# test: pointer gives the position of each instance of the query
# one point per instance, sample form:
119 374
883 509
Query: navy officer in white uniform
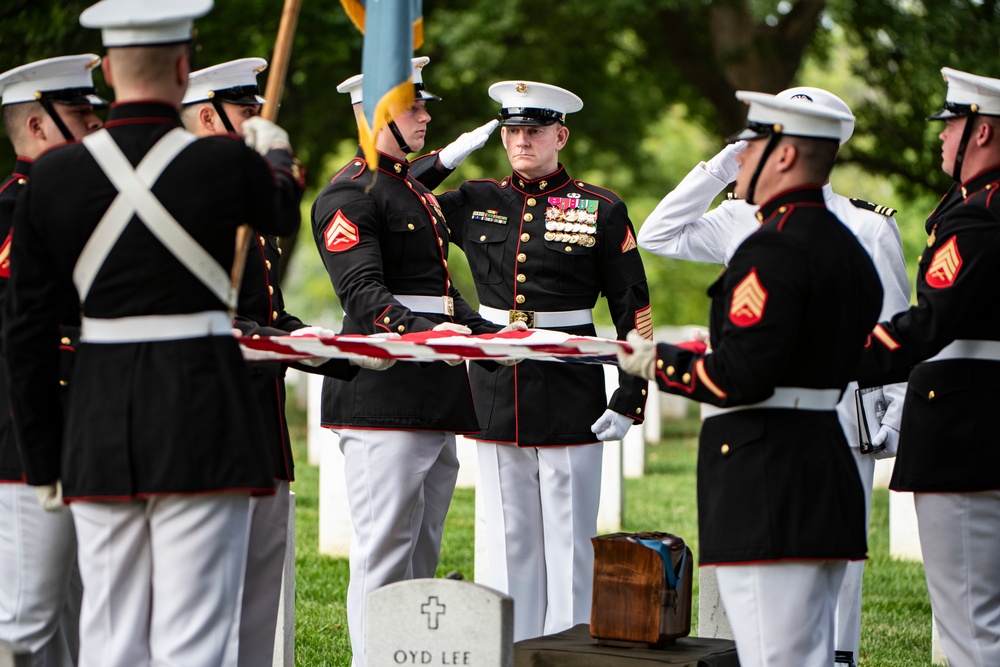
683 227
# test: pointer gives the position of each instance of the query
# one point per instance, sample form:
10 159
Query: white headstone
653 425
316 436
712 619
284 633
335 527
437 622
904 539
14 655
468 463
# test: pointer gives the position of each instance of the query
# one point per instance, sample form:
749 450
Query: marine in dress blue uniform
682 227
948 344
384 241
45 103
225 99
780 503
164 452
542 247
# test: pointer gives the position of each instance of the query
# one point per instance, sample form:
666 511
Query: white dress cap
824 99
968 93
234 81
66 79
144 22
769 115
355 84
533 103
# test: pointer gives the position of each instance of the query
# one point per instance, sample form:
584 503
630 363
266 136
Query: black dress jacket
144 418
793 309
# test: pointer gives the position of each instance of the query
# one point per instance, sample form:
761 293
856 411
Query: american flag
541 345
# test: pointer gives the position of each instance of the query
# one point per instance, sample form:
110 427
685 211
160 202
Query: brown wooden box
633 603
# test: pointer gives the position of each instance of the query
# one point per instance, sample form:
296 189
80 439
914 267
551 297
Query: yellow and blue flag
392 30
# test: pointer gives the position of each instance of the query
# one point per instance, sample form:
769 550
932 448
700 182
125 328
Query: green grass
896 623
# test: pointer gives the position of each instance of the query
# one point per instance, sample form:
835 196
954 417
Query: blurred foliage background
657 79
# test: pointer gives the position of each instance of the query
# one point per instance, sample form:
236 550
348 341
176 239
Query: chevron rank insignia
749 299
629 242
644 322
945 265
341 234
876 208
5 257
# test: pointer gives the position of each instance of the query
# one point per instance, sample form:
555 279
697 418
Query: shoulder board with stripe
871 206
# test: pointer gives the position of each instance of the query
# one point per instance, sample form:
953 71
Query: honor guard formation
145 459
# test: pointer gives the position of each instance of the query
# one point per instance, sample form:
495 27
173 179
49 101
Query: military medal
571 220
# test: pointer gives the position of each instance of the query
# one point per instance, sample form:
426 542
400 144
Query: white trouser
960 541
161 579
782 614
39 581
541 506
399 487
848 634
261 590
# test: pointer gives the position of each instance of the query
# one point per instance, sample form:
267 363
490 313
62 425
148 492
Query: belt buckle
526 316
449 306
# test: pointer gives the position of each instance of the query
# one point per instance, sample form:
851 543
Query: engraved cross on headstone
433 609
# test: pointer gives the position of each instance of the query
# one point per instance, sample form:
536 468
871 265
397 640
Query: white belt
538 319
439 305
788 398
969 349
149 328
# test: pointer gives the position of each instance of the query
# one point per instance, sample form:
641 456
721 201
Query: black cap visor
76 96
245 95
530 116
421 93
753 130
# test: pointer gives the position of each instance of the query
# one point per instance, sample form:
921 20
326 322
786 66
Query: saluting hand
454 153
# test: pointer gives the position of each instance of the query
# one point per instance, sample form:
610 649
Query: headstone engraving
436 622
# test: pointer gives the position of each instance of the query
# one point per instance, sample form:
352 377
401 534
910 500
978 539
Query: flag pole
272 97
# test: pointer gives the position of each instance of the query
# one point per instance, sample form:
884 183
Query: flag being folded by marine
541 345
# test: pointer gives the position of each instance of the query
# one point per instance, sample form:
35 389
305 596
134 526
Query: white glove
262 135
513 326
319 332
454 153
611 426
641 361
701 335
723 166
890 437
374 363
457 328
50 496
452 326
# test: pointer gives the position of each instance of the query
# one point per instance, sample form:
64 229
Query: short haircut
146 63
816 155
14 118
189 114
